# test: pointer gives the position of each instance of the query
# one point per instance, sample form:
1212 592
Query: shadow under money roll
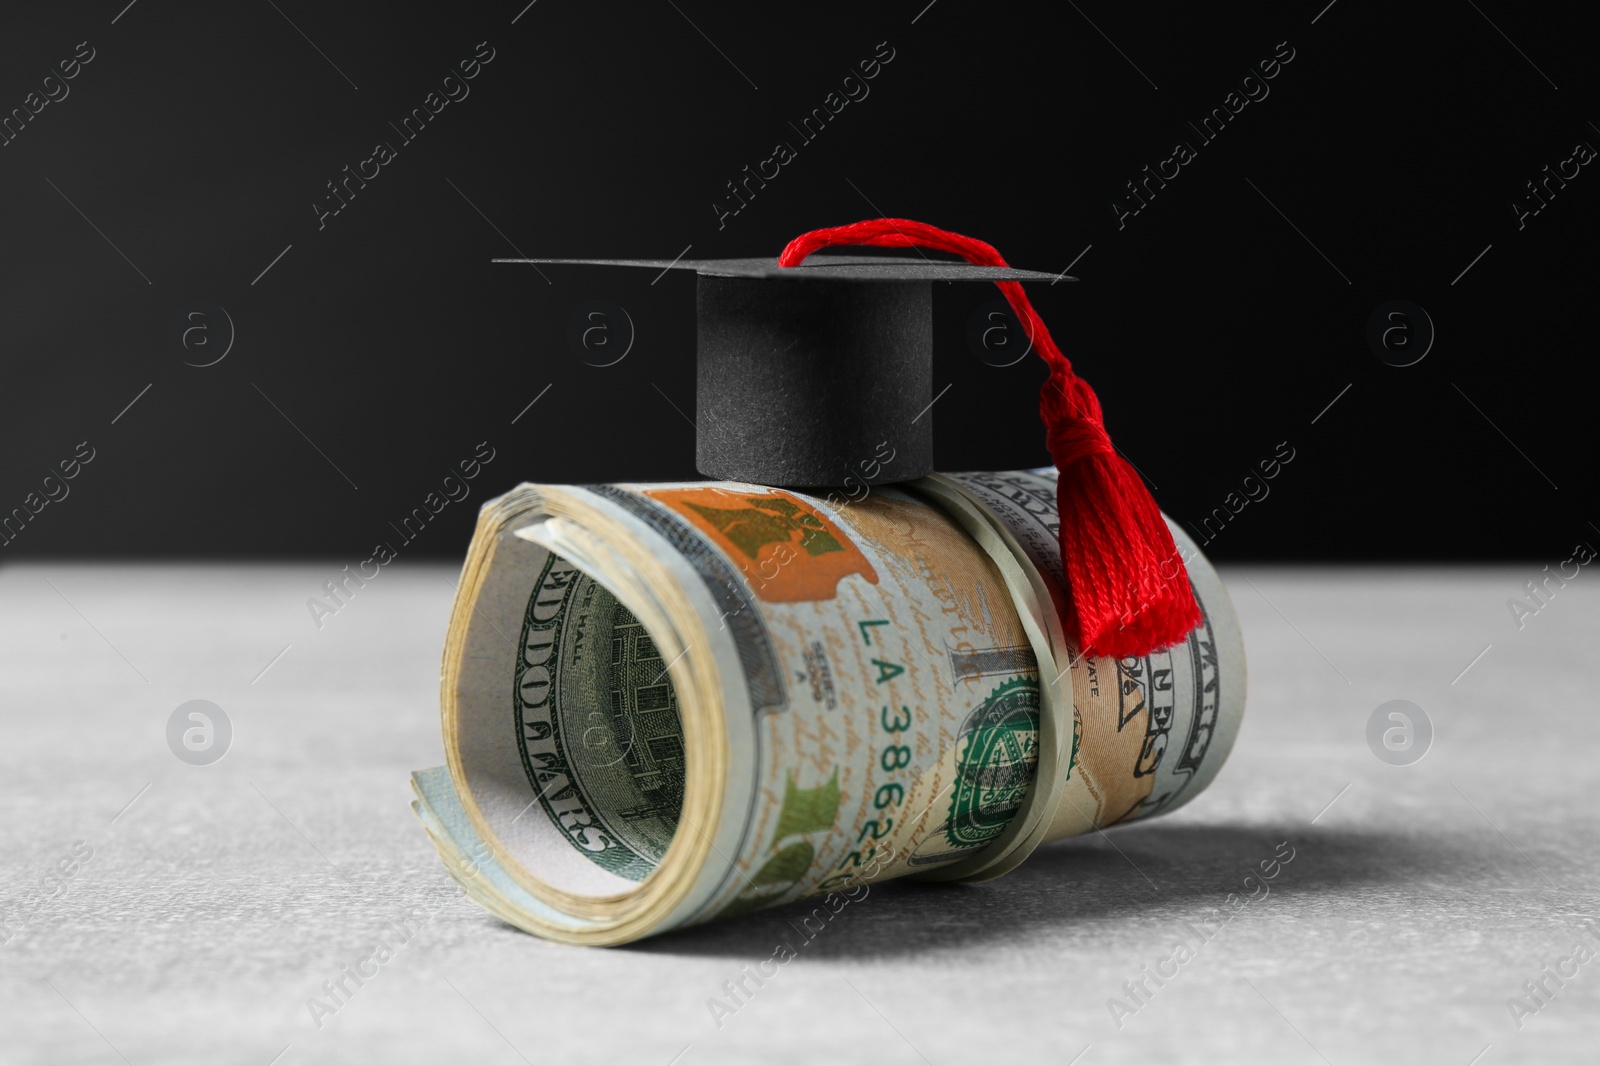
666 704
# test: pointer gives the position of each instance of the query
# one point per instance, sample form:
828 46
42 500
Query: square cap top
831 267
822 383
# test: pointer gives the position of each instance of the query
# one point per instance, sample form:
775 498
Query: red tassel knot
1129 591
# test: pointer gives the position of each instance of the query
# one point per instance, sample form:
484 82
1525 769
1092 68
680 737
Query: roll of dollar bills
670 703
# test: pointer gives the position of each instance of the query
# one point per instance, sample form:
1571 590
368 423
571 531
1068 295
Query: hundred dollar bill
665 704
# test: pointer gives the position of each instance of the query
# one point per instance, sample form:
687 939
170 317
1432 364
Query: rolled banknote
669 703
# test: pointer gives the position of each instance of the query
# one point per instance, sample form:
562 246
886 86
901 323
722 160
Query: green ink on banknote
597 723
995 764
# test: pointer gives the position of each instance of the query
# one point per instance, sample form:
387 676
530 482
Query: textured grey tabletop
216 900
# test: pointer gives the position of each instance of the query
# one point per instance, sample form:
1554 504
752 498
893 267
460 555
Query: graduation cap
810 367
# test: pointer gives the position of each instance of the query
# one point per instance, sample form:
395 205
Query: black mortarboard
810 366
815 373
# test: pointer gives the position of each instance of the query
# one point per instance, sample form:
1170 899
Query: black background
1215 324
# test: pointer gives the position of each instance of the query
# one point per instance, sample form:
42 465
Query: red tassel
1129 590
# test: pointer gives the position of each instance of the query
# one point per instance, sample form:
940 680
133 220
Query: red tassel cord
1128 589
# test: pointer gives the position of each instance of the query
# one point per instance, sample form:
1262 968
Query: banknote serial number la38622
893 758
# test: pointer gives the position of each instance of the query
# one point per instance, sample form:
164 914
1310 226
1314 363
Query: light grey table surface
220 898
